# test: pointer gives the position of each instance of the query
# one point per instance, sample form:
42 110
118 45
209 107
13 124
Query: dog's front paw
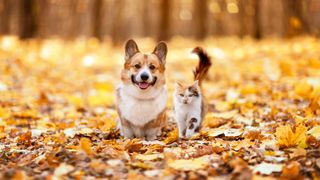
126 132
151 138
151 134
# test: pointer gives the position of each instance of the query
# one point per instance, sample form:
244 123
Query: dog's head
144 71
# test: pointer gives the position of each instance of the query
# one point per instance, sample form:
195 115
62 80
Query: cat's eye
152 67
181 95
137 66
190 95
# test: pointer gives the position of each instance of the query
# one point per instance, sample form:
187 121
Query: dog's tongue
143 85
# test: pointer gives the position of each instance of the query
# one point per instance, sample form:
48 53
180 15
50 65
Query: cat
189 105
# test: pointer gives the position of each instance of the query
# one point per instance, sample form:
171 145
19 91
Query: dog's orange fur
143 59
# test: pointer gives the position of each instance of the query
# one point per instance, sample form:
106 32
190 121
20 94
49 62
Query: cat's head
186 94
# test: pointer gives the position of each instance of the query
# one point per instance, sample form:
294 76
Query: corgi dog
189 104
142 96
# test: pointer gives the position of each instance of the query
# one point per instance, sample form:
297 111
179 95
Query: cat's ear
131 49
196 83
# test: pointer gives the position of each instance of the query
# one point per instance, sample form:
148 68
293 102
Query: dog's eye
152 67
137 66
181 95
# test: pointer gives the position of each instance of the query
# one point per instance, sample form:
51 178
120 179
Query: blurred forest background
119 20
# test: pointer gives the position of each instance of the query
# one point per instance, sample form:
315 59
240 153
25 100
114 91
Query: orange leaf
85 145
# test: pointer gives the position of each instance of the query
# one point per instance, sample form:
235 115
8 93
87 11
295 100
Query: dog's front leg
138 132
152 133
126 131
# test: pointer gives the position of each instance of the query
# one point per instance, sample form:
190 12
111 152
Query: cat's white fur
185 112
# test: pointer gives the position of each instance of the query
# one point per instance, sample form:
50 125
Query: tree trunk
200 18
164 25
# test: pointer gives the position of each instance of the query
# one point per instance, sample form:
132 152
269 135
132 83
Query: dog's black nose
144 76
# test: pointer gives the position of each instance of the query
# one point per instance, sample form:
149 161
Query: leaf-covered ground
57 116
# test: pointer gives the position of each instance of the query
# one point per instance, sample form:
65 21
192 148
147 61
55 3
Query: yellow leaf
85 145
299 119
223 106
189 164
248 89
212 122
86 131
75 100
286 137
315 132
314 98
149 157
4 113
303 89
141 165
172 136
101 98
104 86
287 67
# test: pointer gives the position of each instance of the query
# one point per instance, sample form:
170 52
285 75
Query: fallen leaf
189 164
233 132
298 152
133 145
140 165
315 132
152 173
62 170
149 157
313 142
20 175
213 122
85 131
86 146
254 135
216 132
240 168
25 137
286 137
291 171
248 89
303 89
224 115
227 132
173 136
267 168
70 132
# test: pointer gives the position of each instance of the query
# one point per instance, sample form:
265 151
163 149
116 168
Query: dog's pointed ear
178 85
131 48
161 51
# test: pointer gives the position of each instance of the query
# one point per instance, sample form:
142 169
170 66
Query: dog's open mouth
143 85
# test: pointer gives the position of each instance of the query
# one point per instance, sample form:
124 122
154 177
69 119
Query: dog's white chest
141 111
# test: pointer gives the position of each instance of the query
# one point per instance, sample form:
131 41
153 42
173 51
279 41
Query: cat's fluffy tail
201 70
